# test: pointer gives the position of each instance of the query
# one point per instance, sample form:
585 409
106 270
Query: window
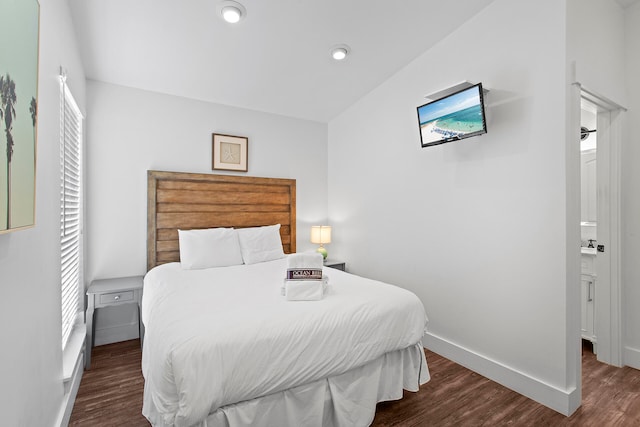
70 208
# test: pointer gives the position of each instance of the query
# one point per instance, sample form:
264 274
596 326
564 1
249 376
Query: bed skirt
348 399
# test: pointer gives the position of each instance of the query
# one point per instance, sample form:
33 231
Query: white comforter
223 335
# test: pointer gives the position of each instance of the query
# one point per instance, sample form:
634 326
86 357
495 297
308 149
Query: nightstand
110 292
338 265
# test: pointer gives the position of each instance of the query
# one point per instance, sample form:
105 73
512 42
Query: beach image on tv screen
455 116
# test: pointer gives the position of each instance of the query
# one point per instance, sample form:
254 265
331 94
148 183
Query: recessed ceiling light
232 11
340 52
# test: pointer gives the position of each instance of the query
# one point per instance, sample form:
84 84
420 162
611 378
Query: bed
224 348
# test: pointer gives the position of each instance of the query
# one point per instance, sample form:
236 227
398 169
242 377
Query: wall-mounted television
456 116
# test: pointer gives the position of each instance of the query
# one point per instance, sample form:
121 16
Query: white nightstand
109 292
338 265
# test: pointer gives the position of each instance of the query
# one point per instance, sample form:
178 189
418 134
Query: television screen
456 116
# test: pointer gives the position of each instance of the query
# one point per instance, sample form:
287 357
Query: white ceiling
275 60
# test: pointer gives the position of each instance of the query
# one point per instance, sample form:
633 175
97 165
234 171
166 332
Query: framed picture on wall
18 113
230 152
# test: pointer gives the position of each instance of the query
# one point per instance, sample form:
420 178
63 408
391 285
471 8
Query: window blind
70 208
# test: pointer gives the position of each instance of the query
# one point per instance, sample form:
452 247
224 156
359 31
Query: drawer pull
117 297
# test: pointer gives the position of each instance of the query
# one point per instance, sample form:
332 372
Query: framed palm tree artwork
230 152
18 112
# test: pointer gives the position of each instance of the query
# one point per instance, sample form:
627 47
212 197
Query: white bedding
225 335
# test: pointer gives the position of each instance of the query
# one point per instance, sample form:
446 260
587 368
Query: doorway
602 225
588 221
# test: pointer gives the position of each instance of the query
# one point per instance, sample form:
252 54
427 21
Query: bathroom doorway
600 223
588 221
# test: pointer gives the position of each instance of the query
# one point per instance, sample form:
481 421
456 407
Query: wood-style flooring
111 395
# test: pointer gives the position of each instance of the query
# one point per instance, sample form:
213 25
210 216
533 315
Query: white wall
31 356
596 44
630 190
131 131
476 228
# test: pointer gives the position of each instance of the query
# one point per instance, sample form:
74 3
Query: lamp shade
320 234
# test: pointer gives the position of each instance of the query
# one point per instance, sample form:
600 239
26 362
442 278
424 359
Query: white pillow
211 247
259 244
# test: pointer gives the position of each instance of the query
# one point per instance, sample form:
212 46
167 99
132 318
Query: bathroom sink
588 251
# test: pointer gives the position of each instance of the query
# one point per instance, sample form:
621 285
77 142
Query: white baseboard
631 357
563 401
116 334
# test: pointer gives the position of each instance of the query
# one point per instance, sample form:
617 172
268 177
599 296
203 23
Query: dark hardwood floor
456 396
111 395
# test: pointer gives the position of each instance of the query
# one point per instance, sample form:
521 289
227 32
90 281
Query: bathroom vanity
588 291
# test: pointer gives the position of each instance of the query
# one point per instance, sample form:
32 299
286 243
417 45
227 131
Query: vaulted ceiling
275 60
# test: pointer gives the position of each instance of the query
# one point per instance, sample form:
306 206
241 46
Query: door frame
608 295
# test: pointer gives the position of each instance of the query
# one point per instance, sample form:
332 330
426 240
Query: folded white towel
304 290
305 260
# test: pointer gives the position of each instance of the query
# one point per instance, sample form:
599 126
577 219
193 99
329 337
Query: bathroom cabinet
588 296
588 284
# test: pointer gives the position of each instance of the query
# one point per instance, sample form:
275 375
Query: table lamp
321 234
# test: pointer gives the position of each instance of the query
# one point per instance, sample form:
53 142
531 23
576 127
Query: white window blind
70 208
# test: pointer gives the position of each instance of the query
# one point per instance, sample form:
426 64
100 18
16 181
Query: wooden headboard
186 201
